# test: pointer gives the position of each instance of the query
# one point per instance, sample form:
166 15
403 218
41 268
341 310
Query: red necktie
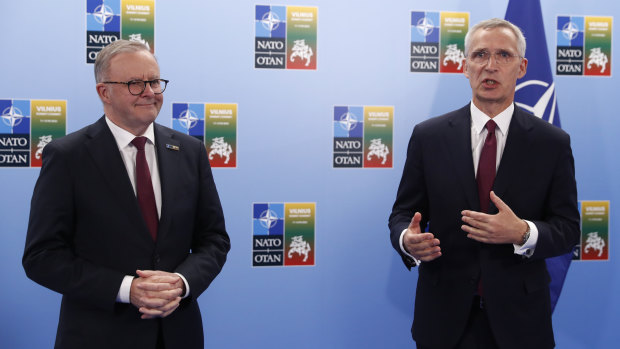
486 167
144 188
486 175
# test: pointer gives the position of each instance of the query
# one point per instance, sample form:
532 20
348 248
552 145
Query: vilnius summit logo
110 20
286 37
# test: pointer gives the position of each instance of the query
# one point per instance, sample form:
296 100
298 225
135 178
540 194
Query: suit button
156 259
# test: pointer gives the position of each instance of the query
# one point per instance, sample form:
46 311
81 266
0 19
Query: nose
148 90
491 62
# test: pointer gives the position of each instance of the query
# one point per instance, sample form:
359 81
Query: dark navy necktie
144 188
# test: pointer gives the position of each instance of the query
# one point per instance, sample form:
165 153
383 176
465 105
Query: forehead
139 64
494 38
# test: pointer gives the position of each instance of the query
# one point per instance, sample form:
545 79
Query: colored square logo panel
103 15
27 127
283 234
584 45
189 118
270 21
363 136
215 124
285 37
438 41
111 20
221 134
594 230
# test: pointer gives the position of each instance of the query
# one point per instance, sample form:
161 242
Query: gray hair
102 63
496 23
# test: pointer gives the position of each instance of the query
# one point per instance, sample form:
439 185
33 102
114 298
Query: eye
155 83
480 54
135 83
504 54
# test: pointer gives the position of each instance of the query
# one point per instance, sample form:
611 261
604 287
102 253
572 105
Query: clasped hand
156 293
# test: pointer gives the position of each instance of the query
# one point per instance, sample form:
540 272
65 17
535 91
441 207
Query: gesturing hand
501 228
422 246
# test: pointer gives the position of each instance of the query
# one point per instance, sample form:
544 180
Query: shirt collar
479 119
123 137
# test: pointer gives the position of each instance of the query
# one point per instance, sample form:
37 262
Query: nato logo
348 136
268 234
15 133
570 45
424 41
270 40
189 118
103 26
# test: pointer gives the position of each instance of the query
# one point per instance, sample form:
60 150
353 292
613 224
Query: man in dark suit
496 187
125 220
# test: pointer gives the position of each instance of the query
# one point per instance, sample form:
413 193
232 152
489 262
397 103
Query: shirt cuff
527 249
402 248
124 291
186 285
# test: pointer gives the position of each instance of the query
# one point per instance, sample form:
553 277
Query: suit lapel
458 139
168 152
106 156
515 154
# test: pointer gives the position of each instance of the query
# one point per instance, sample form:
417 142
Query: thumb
501 205
414 225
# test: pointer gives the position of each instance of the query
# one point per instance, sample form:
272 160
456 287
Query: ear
522 68
465 69
103 92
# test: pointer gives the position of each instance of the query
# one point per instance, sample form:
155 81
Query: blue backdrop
358 295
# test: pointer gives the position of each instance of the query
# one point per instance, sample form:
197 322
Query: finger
146 273
476 223
415 221
170 305
499 203
169 311
157 286
155 312
430 257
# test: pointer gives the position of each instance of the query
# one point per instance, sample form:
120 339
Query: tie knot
491 126
139 142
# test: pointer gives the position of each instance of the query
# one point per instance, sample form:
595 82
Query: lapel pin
172 147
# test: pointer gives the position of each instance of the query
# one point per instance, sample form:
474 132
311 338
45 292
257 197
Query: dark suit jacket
86 233
536 178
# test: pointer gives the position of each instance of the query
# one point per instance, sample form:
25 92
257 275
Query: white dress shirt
478 136
128 152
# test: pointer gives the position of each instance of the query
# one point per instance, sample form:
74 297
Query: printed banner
584 45
215 124
27 127
438 41
283 234
286 37
110 20
363 136
594 230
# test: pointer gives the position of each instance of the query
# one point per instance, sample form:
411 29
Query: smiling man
487 193
125 220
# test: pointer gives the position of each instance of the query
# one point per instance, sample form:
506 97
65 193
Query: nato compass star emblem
188 119
425 26
271 21
268 218
12 116
570 30
348 121
103 14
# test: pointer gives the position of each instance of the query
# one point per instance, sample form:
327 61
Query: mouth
489 83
